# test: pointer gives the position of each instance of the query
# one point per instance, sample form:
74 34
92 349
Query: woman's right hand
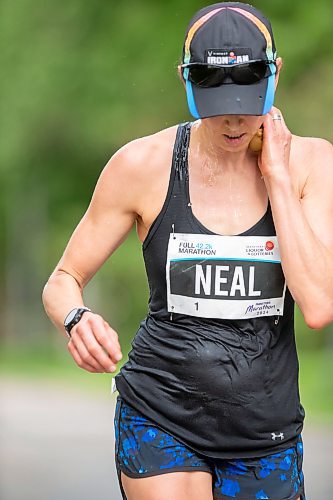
94 345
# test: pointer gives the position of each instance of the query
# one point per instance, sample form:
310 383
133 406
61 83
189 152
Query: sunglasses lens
243 74
206 76
246 74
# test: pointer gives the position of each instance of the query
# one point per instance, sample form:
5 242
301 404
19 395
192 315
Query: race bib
225 277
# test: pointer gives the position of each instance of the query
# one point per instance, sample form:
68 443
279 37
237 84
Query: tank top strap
181 151
175 200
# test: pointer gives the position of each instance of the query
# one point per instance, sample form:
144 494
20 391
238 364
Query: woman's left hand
275 154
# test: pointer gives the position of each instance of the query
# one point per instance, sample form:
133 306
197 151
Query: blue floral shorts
143 449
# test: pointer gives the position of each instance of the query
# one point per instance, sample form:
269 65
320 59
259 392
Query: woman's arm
304 224
111 214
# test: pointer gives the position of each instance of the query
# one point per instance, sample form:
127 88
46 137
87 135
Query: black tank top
214 363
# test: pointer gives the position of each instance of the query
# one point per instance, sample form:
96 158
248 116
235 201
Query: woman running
235 218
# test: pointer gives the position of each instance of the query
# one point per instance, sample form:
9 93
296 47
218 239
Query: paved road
56 444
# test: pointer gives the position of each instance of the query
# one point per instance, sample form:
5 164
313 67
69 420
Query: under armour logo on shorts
276 436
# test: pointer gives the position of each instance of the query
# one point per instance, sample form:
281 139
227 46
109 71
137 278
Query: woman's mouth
234 139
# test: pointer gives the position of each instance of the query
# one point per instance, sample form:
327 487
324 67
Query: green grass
56 365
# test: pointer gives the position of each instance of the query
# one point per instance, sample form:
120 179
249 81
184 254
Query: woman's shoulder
311 152
310 148
147 150
139 165
311 161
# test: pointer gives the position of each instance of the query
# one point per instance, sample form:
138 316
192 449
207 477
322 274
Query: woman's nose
234 121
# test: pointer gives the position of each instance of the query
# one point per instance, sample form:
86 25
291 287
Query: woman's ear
279 64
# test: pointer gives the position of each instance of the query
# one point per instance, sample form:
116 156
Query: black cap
230 33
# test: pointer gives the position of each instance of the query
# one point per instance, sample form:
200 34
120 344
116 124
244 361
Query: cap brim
231 99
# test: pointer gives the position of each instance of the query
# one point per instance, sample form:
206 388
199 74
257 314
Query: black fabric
226 388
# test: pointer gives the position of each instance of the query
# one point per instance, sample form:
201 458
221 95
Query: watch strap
77 314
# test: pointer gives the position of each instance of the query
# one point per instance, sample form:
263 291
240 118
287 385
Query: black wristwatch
73 317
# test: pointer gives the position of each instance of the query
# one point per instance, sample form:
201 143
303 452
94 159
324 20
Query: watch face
70 317
74 317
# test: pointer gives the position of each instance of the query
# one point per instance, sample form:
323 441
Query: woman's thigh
196 485
177 485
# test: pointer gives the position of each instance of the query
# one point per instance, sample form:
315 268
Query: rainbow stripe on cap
262 27
192 31
251 17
